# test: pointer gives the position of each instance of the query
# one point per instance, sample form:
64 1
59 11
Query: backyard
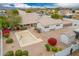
38 48
21 38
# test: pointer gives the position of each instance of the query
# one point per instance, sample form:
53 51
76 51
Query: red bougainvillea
6 32
52 41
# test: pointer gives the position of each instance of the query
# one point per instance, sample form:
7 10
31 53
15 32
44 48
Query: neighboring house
76 14
73 21
46 24
66 23
67 13
3 13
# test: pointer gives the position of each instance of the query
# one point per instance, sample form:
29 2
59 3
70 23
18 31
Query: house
46 23
43 23
28 19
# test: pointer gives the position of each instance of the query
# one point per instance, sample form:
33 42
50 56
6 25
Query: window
75 24
46 26
34 25
58 25
73 11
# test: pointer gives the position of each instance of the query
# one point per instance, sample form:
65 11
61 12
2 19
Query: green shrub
25 53
54 49
56 16
47 47
15 12
28 11
9 53
9 40
18 53
59 49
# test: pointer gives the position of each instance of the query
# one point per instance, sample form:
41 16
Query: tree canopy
56 15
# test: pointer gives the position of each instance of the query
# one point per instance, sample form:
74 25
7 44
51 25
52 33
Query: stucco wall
51 27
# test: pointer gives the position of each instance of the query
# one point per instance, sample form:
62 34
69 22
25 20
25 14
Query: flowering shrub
52 41
6 32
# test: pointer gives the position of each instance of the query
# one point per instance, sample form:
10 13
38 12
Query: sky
40 5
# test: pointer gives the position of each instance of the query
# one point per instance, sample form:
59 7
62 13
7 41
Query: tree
12 12
16 20
56 15
13 18
3 22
